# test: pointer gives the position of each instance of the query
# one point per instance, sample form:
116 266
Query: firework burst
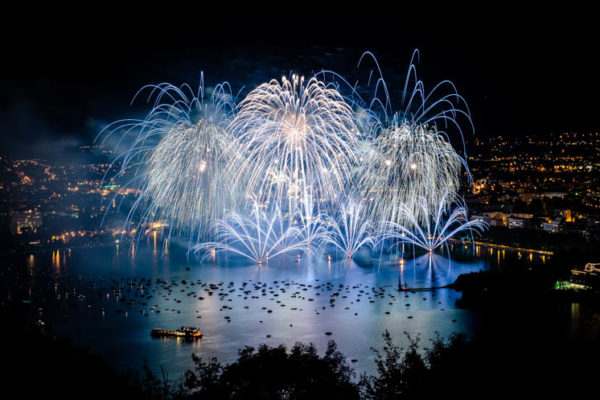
441 224
266 176
295 139
176 158
351 230
406 165
259 237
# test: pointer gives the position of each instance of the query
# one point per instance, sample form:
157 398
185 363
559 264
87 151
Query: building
552 227
589 277
514 222
482 218
25 220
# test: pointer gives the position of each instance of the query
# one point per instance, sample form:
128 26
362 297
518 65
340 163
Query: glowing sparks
407 165
259 237
188 197
176 158
295 166
351 230
441 223
302 133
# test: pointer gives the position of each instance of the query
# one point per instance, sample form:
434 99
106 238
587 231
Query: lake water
109 299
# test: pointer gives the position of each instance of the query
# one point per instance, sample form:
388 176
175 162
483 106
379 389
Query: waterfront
109 299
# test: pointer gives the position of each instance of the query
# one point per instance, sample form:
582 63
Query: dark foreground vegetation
509 357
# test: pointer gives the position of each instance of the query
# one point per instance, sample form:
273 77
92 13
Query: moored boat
183 332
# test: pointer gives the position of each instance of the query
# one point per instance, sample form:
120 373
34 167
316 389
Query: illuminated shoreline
502 246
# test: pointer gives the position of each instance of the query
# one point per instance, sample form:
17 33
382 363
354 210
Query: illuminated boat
183 332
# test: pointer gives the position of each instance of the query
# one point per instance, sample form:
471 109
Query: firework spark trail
350 230
186 179
176 159
442 106
406 165
406 154
258 238
296 139
443 223
311 224
290 152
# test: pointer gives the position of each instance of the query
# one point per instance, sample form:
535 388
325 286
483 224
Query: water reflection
291 299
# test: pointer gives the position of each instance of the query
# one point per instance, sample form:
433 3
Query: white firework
442 222
310 223
186 177
259 237
405 166
351 230
289 153
294 139
442 107
176 158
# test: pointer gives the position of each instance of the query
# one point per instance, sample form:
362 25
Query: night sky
64 78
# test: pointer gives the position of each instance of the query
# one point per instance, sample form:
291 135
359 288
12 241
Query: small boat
183 332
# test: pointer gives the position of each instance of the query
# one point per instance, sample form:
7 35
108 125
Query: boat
183 332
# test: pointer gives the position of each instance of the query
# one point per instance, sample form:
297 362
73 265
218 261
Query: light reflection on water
368 302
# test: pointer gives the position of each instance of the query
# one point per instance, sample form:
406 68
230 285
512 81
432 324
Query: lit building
552 227
515 223
20 221
588 277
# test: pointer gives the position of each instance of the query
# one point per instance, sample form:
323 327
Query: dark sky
64 76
